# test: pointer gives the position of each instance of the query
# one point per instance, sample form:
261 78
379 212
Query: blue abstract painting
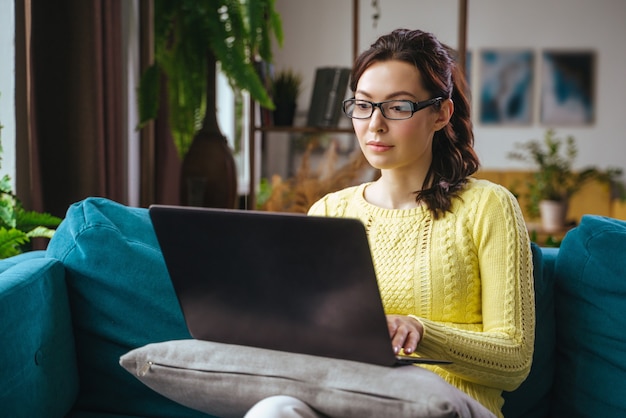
506 86
567 88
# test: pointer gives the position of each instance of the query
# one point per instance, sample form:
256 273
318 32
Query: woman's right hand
405 332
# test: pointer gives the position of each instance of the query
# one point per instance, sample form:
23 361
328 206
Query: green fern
41 232
18 226
11 242
28 221
186 33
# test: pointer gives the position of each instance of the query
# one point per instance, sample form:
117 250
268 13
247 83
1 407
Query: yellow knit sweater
466 276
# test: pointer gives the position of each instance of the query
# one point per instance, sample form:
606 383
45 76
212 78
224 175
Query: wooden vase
209 174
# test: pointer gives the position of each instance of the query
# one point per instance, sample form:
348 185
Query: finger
398 339
392 325
411 342
397 343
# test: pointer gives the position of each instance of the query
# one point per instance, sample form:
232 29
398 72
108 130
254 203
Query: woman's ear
444 114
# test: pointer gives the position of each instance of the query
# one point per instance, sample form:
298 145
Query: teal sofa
101 289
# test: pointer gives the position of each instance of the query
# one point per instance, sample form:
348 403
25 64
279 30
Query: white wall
317 34
7 88
568 24
320 33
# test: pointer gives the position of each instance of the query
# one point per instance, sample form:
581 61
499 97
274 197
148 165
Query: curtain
168 163
73 126
160 163
70 99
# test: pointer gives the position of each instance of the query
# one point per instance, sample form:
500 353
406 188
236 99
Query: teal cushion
532 399
590 305
121 298
37 358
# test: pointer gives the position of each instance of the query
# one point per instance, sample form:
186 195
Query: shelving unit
254 129
263 130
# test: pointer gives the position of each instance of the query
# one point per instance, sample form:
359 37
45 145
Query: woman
451 253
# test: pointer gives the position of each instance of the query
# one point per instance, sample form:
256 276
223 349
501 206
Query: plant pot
553 214
284 113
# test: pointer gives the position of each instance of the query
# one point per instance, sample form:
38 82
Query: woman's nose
377 121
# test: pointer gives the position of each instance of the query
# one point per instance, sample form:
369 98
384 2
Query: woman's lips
378 146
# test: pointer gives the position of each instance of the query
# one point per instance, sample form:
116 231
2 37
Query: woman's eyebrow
390 96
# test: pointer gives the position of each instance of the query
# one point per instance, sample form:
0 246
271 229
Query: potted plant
191 38
286 87
17 225
555 180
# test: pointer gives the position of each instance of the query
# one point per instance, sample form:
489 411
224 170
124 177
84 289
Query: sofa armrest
7 263
122 298
37 355
533 398
590 296
549 256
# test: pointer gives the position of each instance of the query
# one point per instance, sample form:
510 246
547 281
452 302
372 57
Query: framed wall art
468 68
506 86
567 88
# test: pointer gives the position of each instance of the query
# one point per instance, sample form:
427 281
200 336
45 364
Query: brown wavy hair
454 158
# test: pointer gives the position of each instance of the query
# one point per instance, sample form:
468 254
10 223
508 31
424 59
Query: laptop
279 281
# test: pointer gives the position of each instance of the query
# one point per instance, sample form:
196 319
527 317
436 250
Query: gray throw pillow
227 380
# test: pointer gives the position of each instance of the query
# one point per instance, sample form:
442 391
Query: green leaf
10 242
8 206
148 93
41 232
5 184
30 220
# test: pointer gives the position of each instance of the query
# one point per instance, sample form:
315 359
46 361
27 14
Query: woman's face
404 145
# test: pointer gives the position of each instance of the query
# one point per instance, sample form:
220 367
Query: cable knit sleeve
498 352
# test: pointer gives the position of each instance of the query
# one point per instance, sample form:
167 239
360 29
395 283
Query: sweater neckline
378 211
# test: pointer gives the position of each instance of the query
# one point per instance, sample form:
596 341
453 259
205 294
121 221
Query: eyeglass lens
363 109
391 109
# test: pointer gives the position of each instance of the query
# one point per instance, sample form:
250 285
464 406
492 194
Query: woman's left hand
405 333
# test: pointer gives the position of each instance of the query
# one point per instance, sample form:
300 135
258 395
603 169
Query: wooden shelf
304 129
279 129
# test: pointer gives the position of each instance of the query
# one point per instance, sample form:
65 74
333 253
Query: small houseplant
286 87
555 180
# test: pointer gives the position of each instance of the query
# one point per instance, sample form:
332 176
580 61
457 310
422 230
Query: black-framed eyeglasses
391 109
